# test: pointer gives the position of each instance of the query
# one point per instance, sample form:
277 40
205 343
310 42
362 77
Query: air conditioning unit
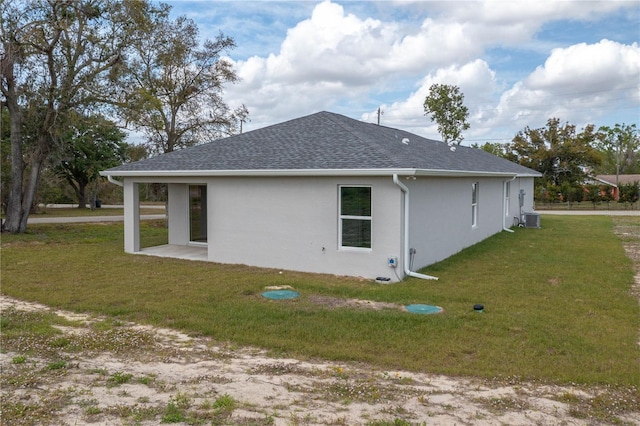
531 220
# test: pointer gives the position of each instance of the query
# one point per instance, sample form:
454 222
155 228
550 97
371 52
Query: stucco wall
292 223
440 214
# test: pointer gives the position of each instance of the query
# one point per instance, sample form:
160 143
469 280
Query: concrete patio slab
191 252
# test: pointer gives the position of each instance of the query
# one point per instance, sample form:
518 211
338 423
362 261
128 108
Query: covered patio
186 217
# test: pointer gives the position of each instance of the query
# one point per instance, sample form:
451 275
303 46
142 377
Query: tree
629 192
56 56
445 105
5 159
560 153
495 148
91 143
173 93
593 193
619 147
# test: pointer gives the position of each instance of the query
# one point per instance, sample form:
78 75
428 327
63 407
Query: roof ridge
355 127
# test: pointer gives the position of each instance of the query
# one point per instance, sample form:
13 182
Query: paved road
104 206
592 212
88 219
78 219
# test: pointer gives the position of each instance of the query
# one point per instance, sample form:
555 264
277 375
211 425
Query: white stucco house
328 194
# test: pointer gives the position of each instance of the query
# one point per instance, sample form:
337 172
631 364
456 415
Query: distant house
328 194
614 181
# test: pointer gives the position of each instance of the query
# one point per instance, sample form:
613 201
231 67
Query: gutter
114 181
504 203
405 262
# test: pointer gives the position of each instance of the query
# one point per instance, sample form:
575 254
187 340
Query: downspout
114 181
504 203
407 271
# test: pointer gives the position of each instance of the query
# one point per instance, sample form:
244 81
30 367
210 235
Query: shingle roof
622 179
319 142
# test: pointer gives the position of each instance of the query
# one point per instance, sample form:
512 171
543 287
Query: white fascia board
308 172
606 182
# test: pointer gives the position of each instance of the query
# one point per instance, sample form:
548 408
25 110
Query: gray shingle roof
322 141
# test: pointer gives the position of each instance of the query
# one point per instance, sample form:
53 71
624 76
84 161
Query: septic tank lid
423 309
281 294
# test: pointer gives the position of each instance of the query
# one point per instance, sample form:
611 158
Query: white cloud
606 65
331 55
335 60
335 55
576 84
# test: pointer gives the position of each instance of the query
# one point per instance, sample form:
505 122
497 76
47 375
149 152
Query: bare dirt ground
148 376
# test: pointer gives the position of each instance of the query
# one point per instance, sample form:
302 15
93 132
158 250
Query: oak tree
174 85
619 146
562 154
91 144
56 56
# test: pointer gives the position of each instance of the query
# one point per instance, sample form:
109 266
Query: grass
557 301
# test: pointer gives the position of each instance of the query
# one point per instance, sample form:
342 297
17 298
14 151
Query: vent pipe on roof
406 256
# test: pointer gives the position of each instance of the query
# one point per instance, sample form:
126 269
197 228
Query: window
507 195
474 204
355 217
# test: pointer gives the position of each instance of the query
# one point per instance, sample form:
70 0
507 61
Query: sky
518 63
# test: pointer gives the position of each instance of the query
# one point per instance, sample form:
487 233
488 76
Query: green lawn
558 306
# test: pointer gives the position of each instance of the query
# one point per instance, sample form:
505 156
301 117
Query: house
328 194
614 181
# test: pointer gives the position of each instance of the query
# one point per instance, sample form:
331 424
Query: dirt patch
628 230
150 375
334 302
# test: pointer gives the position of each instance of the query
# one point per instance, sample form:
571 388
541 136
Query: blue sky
518 63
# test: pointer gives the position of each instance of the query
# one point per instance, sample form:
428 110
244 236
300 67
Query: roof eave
311 172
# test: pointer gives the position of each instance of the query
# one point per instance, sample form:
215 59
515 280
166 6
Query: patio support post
178 212
131 216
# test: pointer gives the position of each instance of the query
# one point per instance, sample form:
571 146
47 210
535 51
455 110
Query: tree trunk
30 188
14 203
82 196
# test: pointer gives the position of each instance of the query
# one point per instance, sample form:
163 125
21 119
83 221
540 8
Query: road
591 212
87 219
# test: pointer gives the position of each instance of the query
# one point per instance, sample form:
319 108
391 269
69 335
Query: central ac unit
531 220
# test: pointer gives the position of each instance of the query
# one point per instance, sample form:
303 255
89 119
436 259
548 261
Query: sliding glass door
198 213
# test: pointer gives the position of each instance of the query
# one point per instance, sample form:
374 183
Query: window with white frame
474 204
355 217
507 195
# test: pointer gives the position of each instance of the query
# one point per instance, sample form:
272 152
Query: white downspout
114 181
408 272
504 203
